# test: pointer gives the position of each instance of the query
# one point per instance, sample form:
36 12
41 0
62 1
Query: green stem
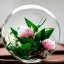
40 20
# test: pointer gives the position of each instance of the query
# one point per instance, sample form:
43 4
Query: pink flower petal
48 44
25 32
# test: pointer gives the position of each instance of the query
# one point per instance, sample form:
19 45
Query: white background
55 6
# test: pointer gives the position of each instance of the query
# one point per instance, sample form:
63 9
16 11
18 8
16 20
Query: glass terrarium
31 33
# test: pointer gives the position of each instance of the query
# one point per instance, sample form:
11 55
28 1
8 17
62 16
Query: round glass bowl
35 14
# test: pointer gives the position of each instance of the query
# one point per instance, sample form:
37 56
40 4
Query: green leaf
39 25
49 32
26 57
40 35
30 24
17 51
38 46
20 53
9 47
13 31
25 46
24 40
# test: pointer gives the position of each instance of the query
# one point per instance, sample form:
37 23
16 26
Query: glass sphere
36 14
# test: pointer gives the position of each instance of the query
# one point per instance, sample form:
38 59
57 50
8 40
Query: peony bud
48 44
25 32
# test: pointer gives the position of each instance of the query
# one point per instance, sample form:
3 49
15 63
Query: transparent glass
34 13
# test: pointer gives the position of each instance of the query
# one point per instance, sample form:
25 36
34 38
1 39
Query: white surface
55 6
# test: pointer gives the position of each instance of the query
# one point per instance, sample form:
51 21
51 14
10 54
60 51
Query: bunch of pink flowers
26 32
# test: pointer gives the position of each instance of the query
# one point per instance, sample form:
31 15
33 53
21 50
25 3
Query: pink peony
25 32
48 44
